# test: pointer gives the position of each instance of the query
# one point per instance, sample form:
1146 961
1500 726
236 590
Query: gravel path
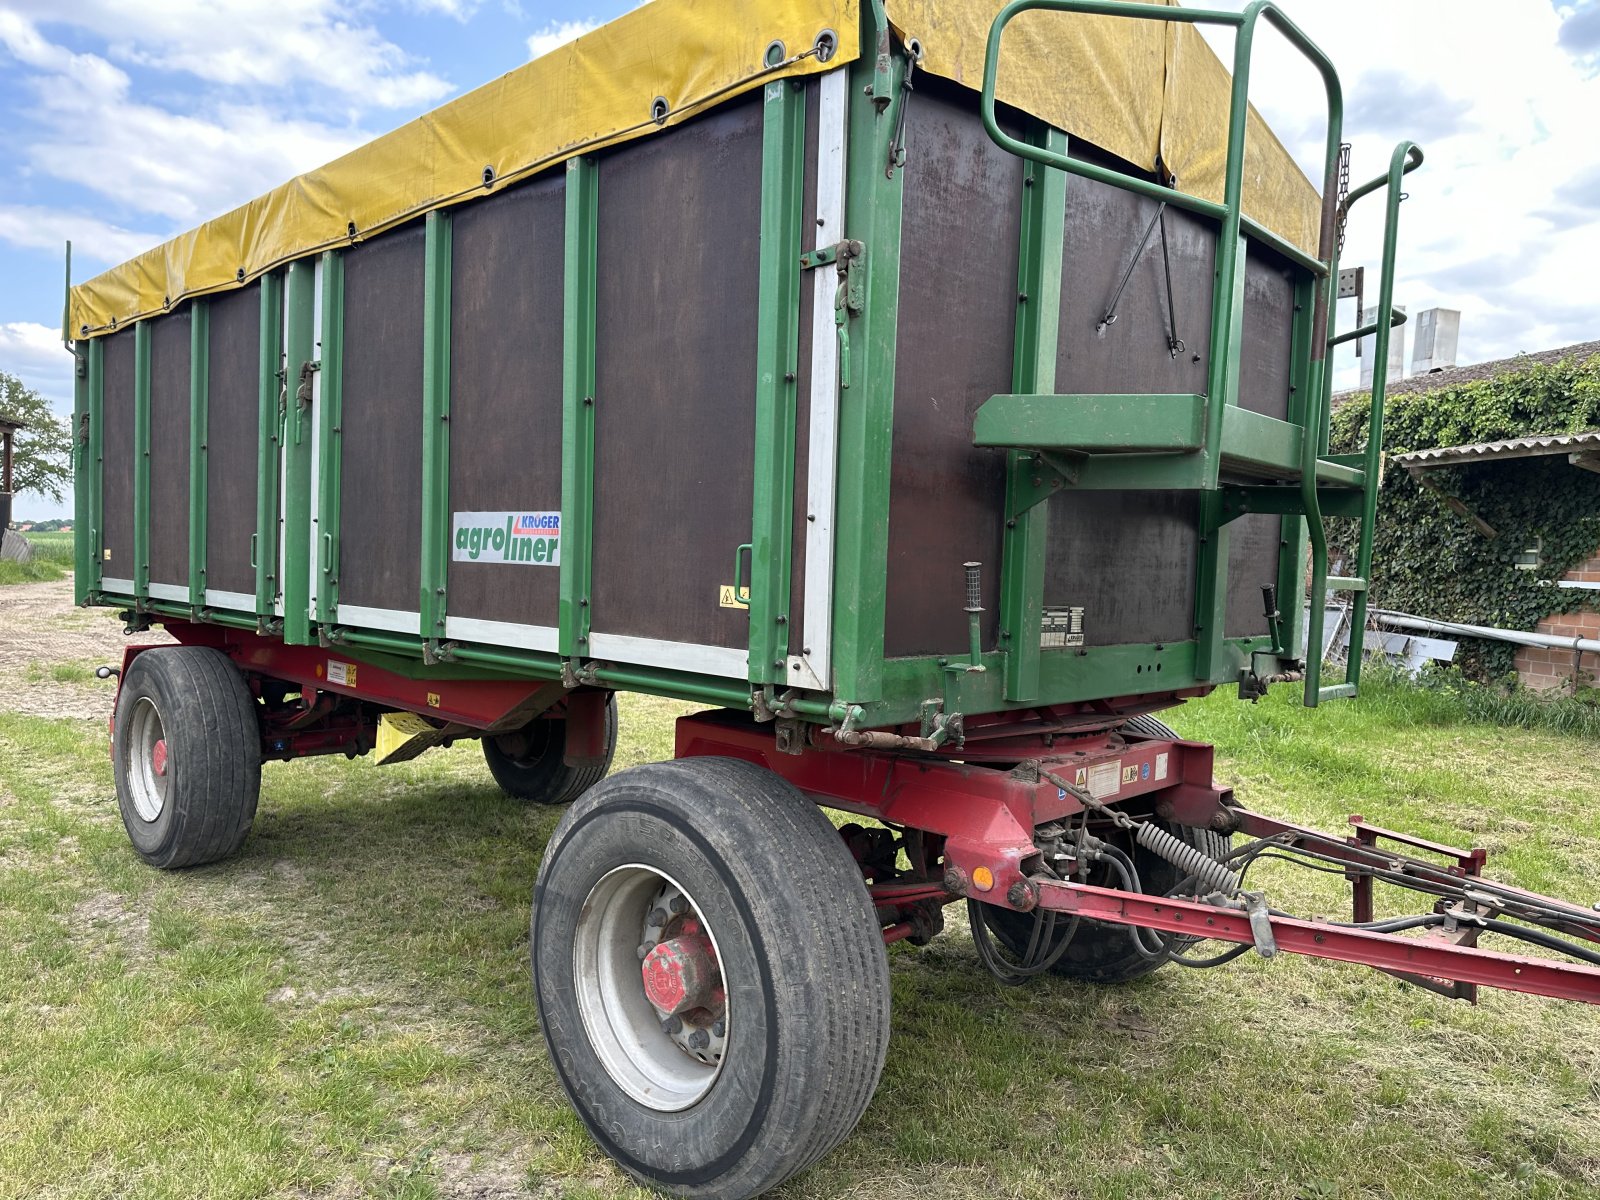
43 637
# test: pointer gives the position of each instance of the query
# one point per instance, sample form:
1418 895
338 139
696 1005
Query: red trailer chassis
984 820
969 828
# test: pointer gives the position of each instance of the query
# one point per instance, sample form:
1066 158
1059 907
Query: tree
42 454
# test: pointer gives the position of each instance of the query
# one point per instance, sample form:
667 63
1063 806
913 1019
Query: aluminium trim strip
811 668
121 587
733 662
503 633
221 598
168 591
393 620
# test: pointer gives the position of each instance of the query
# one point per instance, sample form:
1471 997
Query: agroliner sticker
507 537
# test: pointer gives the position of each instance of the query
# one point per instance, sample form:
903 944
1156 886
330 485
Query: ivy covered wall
1428 560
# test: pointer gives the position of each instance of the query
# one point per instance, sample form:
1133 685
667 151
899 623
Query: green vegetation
52 559
42 450
1429 560
343 1008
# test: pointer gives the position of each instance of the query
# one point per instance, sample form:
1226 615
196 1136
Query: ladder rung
1346 583
1339 474
1336 691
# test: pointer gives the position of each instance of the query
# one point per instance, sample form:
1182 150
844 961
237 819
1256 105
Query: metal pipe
1514 636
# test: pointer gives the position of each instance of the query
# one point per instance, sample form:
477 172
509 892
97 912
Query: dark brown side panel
169 448
1129 559
679 246
232 431
381 482
1131 355
505 387
1268 334
1252 564
958 299
116 536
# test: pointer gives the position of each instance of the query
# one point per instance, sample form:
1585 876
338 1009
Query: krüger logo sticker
530 538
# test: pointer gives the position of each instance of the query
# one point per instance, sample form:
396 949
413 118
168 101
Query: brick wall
1538 667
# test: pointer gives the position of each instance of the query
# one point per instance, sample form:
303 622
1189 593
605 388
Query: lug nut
644 949
672 1025
699 1039
658 917
720 1029
678 905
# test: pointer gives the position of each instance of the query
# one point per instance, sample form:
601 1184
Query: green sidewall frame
1059 442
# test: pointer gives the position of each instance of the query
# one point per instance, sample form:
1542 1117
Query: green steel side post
435 424
578 400
141 462
300 350
1406 157
866 410
82 463
270 399
1044 212
330 453
199 391
777 358
96 465
1303 403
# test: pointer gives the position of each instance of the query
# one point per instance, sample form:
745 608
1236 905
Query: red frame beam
1386 951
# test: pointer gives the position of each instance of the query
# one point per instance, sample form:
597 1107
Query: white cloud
558 34
36 227
265 43
1503 219
33 353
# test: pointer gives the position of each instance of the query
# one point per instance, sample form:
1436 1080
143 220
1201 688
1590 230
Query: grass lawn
343 1009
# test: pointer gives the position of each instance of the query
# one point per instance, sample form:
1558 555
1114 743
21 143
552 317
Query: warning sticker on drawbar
1105 779
529 538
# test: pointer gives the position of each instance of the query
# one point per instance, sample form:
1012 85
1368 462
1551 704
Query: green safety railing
1407 157
1226 311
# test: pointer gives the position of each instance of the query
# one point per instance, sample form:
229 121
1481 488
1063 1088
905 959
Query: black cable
1215 960
1540 938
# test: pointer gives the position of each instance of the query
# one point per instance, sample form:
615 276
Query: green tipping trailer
934 408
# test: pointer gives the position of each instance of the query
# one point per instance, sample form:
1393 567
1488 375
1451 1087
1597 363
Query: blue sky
124 123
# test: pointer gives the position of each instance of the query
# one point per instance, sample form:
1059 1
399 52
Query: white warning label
1161 766
1105 779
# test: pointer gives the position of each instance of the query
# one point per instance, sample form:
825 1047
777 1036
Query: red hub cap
158 757
682 973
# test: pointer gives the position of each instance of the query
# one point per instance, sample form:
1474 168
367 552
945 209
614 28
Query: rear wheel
710 974
186 746
529 763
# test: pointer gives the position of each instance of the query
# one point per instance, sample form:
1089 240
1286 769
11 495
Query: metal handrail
1407 157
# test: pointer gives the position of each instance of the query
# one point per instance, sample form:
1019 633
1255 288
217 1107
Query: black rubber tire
534 770
1105 953
212 732
799 941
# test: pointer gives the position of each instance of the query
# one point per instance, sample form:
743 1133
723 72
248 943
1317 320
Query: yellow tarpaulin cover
1134 88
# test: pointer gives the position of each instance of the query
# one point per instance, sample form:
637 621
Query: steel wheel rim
626 1031
147 787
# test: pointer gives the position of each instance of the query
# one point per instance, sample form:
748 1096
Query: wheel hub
158 757
650 988
681 973
682 977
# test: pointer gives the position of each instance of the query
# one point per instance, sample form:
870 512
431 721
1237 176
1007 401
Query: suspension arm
1388 952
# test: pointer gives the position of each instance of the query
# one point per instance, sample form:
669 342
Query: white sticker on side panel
1161 766
529 538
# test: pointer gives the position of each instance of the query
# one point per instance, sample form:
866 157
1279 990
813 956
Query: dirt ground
49 650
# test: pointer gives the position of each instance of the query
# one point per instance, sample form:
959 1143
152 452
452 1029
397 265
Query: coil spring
1207 871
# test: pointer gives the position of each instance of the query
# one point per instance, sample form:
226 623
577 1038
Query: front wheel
711 976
